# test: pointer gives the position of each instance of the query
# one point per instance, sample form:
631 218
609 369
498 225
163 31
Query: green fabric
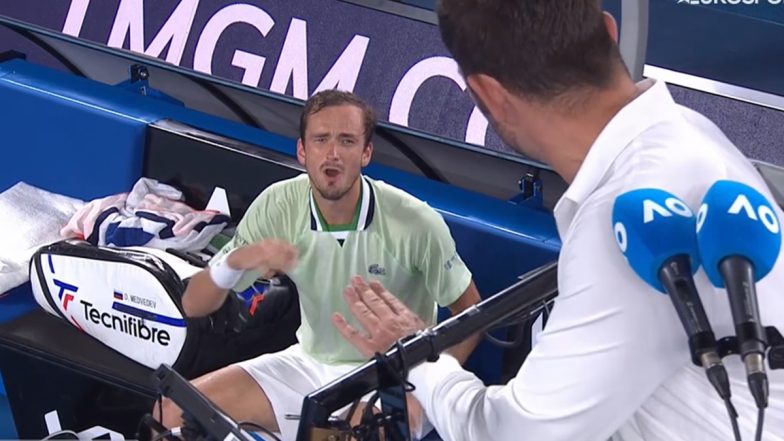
342 227
220 240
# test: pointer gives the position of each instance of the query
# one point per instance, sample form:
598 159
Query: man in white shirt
613 361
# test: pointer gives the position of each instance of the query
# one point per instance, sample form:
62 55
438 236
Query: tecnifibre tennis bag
130 300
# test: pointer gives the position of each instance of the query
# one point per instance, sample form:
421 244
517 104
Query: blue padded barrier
67 134
16 303
85 139
7 429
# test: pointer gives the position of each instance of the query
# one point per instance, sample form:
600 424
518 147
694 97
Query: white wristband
224 276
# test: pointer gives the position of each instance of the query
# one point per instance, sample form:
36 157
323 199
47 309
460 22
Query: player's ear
300 151
367 154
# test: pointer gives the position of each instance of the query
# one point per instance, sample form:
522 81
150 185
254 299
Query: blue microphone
655 231
739 238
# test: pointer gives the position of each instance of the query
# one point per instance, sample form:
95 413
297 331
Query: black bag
237 332
130 300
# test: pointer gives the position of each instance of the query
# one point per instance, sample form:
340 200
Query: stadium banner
295 47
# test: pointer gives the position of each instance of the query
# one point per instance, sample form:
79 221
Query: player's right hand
264 256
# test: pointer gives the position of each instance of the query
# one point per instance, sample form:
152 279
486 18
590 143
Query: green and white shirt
395 239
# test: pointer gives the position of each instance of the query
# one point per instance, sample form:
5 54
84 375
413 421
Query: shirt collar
367 209
652 106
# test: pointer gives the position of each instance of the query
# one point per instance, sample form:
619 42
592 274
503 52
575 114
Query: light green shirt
396 239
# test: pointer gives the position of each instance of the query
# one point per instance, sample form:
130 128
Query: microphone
654 230
739 238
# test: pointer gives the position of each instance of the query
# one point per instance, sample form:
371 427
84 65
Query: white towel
30 217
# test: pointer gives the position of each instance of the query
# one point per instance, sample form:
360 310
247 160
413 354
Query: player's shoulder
281 192
296 186
397 205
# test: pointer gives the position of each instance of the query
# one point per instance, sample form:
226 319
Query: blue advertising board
296 47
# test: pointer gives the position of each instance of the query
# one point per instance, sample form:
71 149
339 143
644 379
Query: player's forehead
344 119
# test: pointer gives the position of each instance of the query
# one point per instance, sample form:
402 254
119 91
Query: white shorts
288 376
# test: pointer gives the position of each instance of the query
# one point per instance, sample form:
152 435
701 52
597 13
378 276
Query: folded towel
31 218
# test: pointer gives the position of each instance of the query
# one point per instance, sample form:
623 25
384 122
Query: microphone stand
773 341
387 372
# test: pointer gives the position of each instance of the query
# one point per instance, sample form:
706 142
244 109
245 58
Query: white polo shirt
613 360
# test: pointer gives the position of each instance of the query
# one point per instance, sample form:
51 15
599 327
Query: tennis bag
130 300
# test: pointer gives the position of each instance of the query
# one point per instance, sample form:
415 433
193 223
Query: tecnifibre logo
730 2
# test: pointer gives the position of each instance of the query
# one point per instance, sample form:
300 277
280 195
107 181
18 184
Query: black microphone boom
675 275
738 274
526 297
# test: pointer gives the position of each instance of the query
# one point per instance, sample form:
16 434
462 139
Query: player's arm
446 275
237 268
251 253
470 297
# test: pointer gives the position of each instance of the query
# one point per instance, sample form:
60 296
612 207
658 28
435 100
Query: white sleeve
608 344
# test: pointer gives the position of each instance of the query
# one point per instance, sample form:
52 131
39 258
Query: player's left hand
385 319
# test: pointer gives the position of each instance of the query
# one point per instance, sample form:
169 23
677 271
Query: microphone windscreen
737 220
652 226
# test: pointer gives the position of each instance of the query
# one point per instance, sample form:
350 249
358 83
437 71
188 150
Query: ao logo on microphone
650 210
742 206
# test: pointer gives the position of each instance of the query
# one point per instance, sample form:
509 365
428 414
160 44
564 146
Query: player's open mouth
332 172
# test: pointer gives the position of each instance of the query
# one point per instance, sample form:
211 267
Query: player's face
334 150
